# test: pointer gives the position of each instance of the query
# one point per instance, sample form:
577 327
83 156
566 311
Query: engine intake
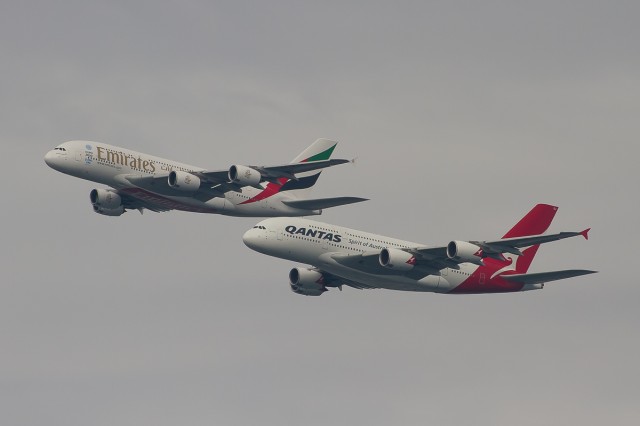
105 198
462 251
183 181
245 176
106 202
307 282
395 259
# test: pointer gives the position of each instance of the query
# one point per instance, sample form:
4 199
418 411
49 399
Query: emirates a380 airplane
142 181
342 256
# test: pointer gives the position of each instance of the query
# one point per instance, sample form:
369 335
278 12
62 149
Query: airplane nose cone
248 239
254 239
48 158
55 159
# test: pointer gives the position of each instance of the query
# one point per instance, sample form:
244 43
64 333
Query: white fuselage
112 166
311 242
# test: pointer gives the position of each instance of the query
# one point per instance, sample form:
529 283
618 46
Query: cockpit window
58 148
259 227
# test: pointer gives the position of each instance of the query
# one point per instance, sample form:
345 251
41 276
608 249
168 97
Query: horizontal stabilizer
322 203
543 277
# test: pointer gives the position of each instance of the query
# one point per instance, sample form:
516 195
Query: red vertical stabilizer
535 222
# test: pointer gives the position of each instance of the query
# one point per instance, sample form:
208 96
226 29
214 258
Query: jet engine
108 212
463 251
106 202
245 176
183 181
395 259
307 282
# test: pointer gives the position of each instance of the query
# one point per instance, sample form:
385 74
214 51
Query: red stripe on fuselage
271 190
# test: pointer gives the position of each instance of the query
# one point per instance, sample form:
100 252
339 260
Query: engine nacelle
108 212
462 251
245 176
307 282
529 287
183 181
105 198
395 259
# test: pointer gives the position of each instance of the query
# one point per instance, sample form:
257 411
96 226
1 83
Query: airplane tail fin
535 222
320 150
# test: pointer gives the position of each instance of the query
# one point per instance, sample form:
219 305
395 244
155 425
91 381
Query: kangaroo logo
510 266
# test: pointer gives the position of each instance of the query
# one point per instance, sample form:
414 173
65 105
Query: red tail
535 222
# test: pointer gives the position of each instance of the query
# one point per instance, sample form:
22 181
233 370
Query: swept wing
430 260
215 183
437 257
543 277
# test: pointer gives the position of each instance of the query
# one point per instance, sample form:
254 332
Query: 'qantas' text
313 233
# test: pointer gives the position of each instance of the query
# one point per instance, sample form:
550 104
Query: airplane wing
357 285
365 262
322 203
512 245
543 277
336 281
160 185
214 183
437 257
430 260
289 170
369 263
131 202
267 173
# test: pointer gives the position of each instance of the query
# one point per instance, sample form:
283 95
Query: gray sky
463 115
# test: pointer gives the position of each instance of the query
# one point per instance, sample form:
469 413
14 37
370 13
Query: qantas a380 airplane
343 256
142 181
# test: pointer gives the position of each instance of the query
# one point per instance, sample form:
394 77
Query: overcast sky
462 116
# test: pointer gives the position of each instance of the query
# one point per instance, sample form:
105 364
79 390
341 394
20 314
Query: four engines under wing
163 191
216 183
